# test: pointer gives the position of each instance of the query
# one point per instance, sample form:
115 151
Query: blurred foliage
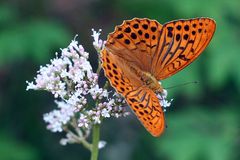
21 151
203 122
211 135
32 38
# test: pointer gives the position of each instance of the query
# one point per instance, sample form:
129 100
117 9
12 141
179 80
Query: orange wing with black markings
146 106
155 49
135 41
181 42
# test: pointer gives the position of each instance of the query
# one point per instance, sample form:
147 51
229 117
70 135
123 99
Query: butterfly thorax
151 82
148 79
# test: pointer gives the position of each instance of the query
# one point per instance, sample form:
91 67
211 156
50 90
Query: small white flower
105 113
73 44
83 121
163 101
97 43
69 139
96 119
164 93
64 141
57 118
101 144
54 124
31 85
96 35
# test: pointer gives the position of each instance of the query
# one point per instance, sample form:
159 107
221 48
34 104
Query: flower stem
99 66
96 127
95 141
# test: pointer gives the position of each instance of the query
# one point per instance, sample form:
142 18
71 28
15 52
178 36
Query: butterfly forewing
181 42
136 41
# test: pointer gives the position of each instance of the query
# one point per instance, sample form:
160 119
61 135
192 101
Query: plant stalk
95 141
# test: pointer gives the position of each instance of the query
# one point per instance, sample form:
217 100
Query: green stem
99 66
95 141
96 127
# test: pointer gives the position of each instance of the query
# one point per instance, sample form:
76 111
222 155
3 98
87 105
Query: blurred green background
203 122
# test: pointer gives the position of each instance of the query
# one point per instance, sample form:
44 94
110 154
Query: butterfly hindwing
146 106
118 74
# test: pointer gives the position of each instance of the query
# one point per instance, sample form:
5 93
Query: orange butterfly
140 52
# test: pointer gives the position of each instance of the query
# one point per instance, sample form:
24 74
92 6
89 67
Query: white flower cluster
57 118
70 78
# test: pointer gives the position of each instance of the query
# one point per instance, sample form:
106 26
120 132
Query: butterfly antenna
183 84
